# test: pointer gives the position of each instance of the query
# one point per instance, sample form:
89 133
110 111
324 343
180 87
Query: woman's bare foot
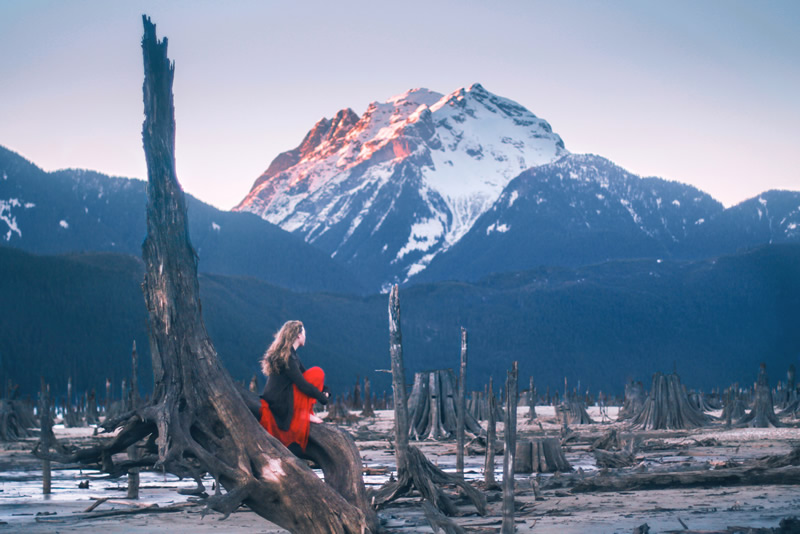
314 418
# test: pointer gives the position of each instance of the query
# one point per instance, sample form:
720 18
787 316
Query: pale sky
702 92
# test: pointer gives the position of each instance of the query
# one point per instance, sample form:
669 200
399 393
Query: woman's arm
293 372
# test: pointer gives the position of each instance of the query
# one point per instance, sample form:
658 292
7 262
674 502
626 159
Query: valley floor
24 509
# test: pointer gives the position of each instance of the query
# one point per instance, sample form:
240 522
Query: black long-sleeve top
279 394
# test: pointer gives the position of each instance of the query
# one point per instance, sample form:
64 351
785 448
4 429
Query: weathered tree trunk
763 413
133 452
461 405
531 401
46 440
491 438
254 384
510 432
414 471
197 414
368 411
357 404
92 416
667 407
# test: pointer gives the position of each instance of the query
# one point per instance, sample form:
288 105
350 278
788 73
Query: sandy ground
24 509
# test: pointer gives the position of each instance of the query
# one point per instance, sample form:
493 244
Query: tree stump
667 407
575 411
541 456
432 407
12 425
735 408
763 413
634 401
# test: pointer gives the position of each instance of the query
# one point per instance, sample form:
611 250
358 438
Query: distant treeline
713 321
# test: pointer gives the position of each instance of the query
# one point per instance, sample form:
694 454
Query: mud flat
558 508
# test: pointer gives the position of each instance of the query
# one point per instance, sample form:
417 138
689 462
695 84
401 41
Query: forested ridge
714 321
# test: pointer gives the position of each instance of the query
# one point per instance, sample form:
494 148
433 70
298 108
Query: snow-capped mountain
388 191
579 210
584 209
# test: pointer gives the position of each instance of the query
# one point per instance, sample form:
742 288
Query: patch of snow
700 221
5 176
762 201
676 203
85 209
497 227
215 226
513 198
8 218
63 224
423 236
634 215
600 196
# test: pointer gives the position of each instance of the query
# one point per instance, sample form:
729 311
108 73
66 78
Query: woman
291 391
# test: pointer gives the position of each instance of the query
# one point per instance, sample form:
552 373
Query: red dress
303 404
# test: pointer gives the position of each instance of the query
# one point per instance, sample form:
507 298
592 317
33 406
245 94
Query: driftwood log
667 407
197 416
734 476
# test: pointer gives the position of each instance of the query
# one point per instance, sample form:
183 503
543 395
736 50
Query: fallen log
735 476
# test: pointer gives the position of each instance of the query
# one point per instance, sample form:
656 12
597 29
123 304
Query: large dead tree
198 420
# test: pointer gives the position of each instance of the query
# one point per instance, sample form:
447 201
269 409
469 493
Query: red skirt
303 405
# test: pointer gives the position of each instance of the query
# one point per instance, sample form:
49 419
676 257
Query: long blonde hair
277 356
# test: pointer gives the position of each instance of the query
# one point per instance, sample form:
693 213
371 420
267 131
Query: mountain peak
433 162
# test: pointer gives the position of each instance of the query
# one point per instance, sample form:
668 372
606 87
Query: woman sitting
291 391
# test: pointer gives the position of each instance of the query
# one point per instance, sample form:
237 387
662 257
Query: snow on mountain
406 180
578 210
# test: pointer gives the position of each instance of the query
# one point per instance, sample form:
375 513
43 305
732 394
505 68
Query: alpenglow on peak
389 190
